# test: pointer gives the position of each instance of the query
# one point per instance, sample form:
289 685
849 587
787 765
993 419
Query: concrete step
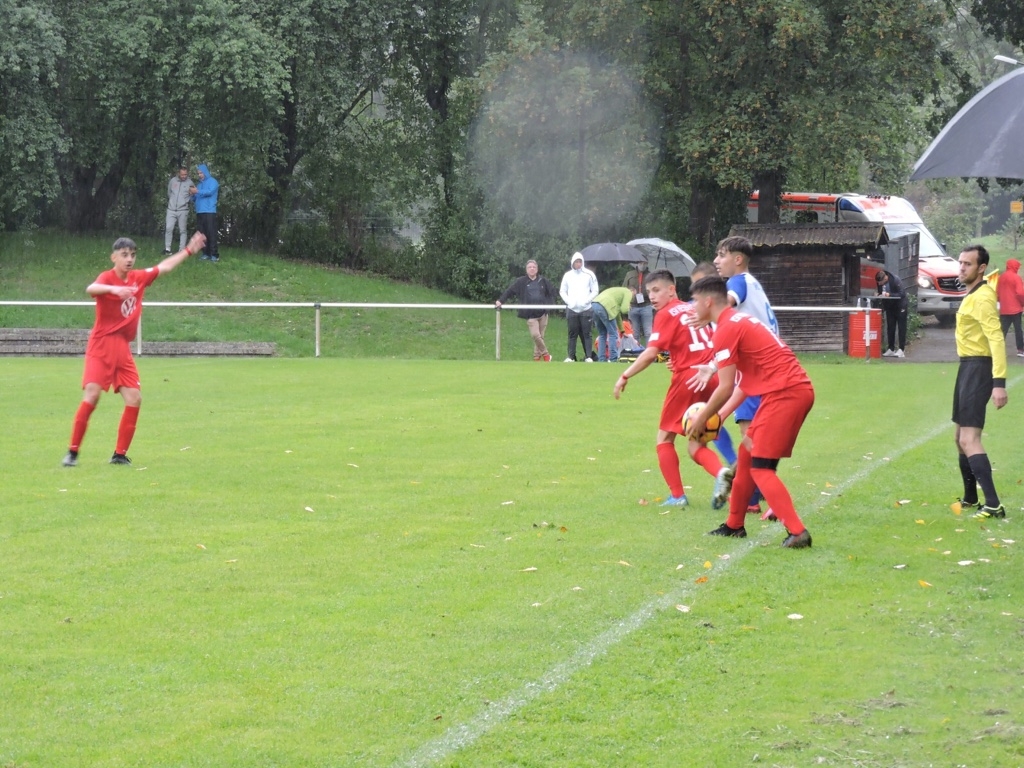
46 342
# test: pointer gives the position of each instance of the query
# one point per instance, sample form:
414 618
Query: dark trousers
896 319
207 224
579 328
1006 321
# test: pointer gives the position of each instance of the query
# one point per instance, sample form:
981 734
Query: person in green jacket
610 306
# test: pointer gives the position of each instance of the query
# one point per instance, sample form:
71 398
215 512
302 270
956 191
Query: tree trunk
769 195
702 211
87 204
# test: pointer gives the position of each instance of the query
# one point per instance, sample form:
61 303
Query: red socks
668 461
126 429
709 460
82 415
778 498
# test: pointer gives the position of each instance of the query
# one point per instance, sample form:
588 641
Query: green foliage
31 140
1012 231
955 212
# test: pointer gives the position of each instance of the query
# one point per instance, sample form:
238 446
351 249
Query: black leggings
207 224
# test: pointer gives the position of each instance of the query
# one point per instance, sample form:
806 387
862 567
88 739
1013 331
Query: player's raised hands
196 243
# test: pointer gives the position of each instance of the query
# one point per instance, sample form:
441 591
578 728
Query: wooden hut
812 265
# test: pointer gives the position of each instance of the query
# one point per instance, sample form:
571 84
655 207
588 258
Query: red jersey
116 316
687 346
763 361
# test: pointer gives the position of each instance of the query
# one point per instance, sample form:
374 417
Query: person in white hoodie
578 291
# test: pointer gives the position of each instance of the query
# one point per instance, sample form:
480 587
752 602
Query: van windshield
929 246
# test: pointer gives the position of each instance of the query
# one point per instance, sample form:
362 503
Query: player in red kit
108 358
686 346
752 358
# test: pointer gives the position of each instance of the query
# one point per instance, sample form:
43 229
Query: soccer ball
712 427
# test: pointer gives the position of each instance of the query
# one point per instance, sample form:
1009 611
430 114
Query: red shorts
777 422
109 363
680 397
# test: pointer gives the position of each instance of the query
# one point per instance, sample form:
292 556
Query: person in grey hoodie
578 291
178 194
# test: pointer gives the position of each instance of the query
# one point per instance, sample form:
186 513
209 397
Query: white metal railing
318 305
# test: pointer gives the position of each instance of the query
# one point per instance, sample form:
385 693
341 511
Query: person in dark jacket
896 306
531 288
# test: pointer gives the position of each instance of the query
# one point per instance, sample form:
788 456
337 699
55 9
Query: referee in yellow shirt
982 374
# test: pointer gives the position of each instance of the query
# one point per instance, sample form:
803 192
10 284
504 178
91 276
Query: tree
31 48
760 95
1003 19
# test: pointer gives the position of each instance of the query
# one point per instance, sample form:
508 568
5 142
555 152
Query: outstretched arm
645 359
195 244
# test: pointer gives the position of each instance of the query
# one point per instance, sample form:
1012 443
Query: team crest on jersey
128 306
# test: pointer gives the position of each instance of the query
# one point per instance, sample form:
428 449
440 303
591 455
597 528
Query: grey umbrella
985 138
612 253
664 254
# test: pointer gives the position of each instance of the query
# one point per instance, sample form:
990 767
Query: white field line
461 736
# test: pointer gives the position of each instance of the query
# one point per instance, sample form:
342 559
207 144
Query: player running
108 357
686 346
750 356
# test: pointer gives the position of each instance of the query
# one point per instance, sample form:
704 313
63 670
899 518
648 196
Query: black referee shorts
972 391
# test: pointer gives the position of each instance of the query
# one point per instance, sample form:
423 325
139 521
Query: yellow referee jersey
978 333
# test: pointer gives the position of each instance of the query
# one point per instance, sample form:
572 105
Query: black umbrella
985 138
613 253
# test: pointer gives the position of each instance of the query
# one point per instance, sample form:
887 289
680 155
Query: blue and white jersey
750 299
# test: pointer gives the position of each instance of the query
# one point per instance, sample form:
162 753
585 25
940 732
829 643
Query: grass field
410 563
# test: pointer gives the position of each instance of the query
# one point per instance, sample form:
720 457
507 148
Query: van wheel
946 321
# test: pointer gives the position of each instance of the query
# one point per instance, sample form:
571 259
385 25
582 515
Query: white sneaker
587 360
899 353
569 360
889 353
1020 354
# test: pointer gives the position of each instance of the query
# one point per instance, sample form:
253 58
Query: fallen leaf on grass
528 570
309 509
956 507
1009 541
707 564
923 583
536 605
683 608
200 546
966 562
478 546
577 589
903 501
724 557
679 567
919 522
231 561
643 502
984 560
900 567
623 562
506 503
354 465
794 616
187 447
701 580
